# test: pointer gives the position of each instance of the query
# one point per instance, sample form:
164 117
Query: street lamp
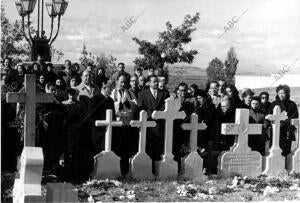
40 44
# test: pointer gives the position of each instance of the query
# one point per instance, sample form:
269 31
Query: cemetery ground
214 188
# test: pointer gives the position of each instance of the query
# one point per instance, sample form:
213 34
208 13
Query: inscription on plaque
242 164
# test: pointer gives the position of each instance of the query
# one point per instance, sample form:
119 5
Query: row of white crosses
28 187
240 159
107 163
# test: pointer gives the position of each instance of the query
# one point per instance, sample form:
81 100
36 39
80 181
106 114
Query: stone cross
240 159
168 166
275 162
30 98
294 159
107 163
192 164
141 163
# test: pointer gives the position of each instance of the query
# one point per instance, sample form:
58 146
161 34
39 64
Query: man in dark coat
97 111
287 131
150 100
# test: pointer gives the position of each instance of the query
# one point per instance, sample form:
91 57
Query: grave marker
193 164
28 187
294 157
168 167
107 163
275 162
61 192
141 162
30 98
240 159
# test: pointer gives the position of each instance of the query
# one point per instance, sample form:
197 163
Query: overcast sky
266 37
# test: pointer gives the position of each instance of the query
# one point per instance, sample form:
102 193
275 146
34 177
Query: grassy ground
214 189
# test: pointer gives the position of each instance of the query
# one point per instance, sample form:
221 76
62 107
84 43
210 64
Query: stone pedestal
28 187
61 192
142 166
106 165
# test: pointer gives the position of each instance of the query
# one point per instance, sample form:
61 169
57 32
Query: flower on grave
201 195
91 199
295 187
270 190
182 191
121 197
210 182
130 194
212 191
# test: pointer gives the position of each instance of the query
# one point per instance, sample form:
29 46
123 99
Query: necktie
155 94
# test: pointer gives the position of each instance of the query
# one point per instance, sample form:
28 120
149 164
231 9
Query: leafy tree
231 65
13 43
107 62
215 70
169 48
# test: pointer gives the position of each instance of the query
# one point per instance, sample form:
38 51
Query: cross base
168 167
142 166
275 163
192 167
19 194
293 161
106 165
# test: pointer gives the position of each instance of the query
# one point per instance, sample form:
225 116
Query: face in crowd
122 82
264 99
42 79
254 104
7 63
182 91
281 94
68 65
229 92
154 83
213 89
138 72
106 90
73 82
225 105
162 83
141 81
133 82
86 78
49 68
247 99
121 67
51 89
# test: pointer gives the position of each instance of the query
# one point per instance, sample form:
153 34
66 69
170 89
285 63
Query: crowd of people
66 128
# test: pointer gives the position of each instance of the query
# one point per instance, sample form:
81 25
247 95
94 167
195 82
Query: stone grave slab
169 167
275 162
192 164
141 163
240 160
107 163
28 187
61 192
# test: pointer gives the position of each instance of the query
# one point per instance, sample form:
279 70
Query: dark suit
155 136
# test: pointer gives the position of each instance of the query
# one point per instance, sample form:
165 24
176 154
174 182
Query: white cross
143 124
109 123
242 128
194 126
277 116
30 98
170 113
296 123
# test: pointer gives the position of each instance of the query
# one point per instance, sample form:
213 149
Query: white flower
295 186
270 190
212 191
91 199
121 197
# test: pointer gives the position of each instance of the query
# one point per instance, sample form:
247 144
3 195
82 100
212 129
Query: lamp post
40 44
